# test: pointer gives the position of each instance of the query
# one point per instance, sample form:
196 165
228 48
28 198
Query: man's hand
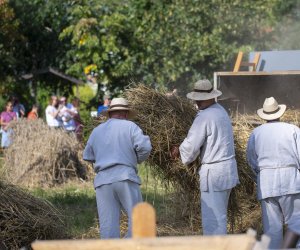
174 152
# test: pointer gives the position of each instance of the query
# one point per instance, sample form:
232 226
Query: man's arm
141 144
88 153
190 147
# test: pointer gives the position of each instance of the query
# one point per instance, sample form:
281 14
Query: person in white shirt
116 147
67 114
52 113
273 152
211 138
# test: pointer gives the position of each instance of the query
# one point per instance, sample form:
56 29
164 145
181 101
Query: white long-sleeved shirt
116 147
52 121
273 152
211 138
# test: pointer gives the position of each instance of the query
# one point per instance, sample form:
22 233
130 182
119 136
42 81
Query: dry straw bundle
166 119
24 218
42 156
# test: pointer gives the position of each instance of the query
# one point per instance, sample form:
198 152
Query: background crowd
59 114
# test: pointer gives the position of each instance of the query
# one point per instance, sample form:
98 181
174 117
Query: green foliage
9 35
161 43
85 94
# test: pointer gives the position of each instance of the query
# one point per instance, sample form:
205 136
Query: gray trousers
277 211
110 199
214 210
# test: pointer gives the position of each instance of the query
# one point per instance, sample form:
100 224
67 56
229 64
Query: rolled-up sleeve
251 154
88 153
190 147
142 144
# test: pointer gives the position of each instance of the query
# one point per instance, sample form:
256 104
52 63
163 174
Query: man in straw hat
211 138
116 147
273 152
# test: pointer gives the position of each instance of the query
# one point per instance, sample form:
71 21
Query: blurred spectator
33 114
6 117
18 108
67 114
52 111
105 105
77 118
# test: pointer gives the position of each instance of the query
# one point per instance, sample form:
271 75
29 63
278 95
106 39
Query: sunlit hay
42 156
166 120
24 218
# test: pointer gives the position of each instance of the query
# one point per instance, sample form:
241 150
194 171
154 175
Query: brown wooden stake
143 221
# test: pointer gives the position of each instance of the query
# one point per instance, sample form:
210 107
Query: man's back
218 145
273 153
118 142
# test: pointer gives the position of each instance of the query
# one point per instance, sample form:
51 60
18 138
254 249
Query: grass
77 202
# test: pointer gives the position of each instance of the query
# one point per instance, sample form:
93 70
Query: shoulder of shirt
211 111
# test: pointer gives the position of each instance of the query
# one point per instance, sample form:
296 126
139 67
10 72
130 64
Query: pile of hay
166 119
24 218
42 156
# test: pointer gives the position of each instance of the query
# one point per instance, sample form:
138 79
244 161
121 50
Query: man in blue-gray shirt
273 152
116 147
211 138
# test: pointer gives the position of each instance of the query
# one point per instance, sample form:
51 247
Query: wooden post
238 62
255 61
143 221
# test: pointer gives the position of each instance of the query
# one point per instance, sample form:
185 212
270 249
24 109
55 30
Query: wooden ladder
239 63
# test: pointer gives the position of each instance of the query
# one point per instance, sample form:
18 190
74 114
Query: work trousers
110 199
277 211
214 210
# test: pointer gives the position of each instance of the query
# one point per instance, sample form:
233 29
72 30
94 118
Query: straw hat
271 110
203 90
119 104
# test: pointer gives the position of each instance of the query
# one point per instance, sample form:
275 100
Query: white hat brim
269 117
131 113
201 96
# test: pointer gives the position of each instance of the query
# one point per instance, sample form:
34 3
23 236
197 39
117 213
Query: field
77 202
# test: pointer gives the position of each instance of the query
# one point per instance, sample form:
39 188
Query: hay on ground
42 156
24 218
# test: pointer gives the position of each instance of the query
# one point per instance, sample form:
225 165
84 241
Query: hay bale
24 218
42 156
166 119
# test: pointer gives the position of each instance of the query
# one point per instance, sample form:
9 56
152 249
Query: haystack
24 218
166 119
42 156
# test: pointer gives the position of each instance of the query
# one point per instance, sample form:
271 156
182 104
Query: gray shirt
116 147
211 138
273 152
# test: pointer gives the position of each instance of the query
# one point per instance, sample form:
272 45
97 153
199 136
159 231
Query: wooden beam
238 62
255 61
226 242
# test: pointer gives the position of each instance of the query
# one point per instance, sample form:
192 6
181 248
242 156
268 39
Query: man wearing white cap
116 147
273 152
211 138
